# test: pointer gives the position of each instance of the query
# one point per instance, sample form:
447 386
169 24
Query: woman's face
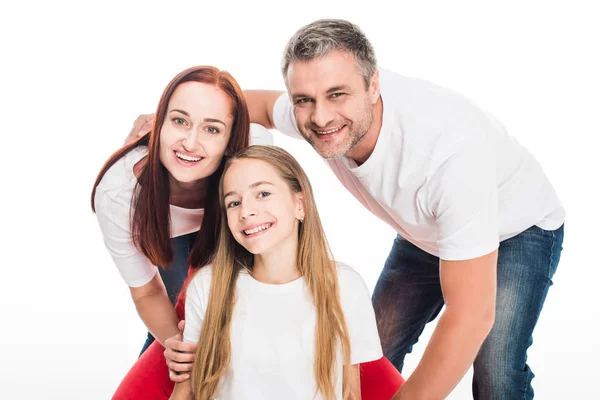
262 210
195 133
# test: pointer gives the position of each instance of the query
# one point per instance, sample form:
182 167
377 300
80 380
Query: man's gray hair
320 38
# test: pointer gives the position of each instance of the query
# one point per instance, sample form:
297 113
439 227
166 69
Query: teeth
330 131
187 158
257 229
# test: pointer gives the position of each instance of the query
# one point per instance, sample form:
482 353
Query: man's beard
354 134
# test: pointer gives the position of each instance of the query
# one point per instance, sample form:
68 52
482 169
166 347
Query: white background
74 76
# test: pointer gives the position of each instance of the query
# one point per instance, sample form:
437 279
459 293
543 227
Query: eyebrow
338 88
214 120
329 91
255 184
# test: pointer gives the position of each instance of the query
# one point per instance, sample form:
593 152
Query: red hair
150 228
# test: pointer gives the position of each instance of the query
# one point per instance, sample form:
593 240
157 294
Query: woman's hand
180 356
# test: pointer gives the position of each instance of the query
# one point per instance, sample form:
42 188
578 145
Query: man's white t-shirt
444 174
113 210
273 334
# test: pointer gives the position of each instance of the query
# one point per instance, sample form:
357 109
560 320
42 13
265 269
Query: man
480 227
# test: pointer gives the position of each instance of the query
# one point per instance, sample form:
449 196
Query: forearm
449 354
158 315
260 106
354 383
182 391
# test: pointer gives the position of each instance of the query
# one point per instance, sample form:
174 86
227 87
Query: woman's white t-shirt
113 210
273 334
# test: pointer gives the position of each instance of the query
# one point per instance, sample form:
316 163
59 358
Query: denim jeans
408 296
174 275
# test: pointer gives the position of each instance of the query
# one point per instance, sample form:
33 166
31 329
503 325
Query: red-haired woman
152 195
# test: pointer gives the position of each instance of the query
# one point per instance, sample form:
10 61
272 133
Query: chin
258 249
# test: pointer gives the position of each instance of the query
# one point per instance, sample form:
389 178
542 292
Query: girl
275 317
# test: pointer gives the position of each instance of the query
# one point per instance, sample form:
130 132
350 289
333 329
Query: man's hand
180 356
141 126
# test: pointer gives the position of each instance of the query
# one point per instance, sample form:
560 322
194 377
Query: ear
374 88
299 206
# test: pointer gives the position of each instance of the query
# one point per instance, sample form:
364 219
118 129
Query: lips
326 134
187 158
255 229
328 131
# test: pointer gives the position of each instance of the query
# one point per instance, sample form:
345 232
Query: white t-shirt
113 210
444 174
273 334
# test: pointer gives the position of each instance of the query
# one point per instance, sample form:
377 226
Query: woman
164 185
274 315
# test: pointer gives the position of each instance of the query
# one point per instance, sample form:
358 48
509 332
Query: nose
247 210
191 141
322 115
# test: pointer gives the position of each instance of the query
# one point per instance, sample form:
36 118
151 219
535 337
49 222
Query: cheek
168 138
301 115
231 222
216 147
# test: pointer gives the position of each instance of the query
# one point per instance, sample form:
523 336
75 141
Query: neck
364 148
278 265
187 194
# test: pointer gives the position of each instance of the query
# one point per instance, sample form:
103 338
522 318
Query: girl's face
195 132
262 211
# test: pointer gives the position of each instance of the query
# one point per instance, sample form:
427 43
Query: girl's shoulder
345 270
348 277
202 276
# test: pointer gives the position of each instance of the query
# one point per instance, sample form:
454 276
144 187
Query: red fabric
148 378
379 380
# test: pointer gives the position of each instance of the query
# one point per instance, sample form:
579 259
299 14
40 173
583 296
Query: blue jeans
174 275
408 296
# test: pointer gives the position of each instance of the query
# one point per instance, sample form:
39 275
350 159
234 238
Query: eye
178 121
213 129
302 100
337 95
233 204
263 194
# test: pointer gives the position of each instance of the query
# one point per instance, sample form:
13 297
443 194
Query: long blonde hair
314 262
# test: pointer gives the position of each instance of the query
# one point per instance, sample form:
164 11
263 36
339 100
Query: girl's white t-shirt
273 334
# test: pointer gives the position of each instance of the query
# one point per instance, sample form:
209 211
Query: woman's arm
145 284
354 381
182 391
155 309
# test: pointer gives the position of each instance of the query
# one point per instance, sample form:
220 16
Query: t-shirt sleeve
114 220
196 299
365 345
283 117
259 135
465 204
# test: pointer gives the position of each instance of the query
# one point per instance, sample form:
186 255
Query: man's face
332 106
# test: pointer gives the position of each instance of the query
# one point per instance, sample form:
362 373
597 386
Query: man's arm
469 289
260 106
